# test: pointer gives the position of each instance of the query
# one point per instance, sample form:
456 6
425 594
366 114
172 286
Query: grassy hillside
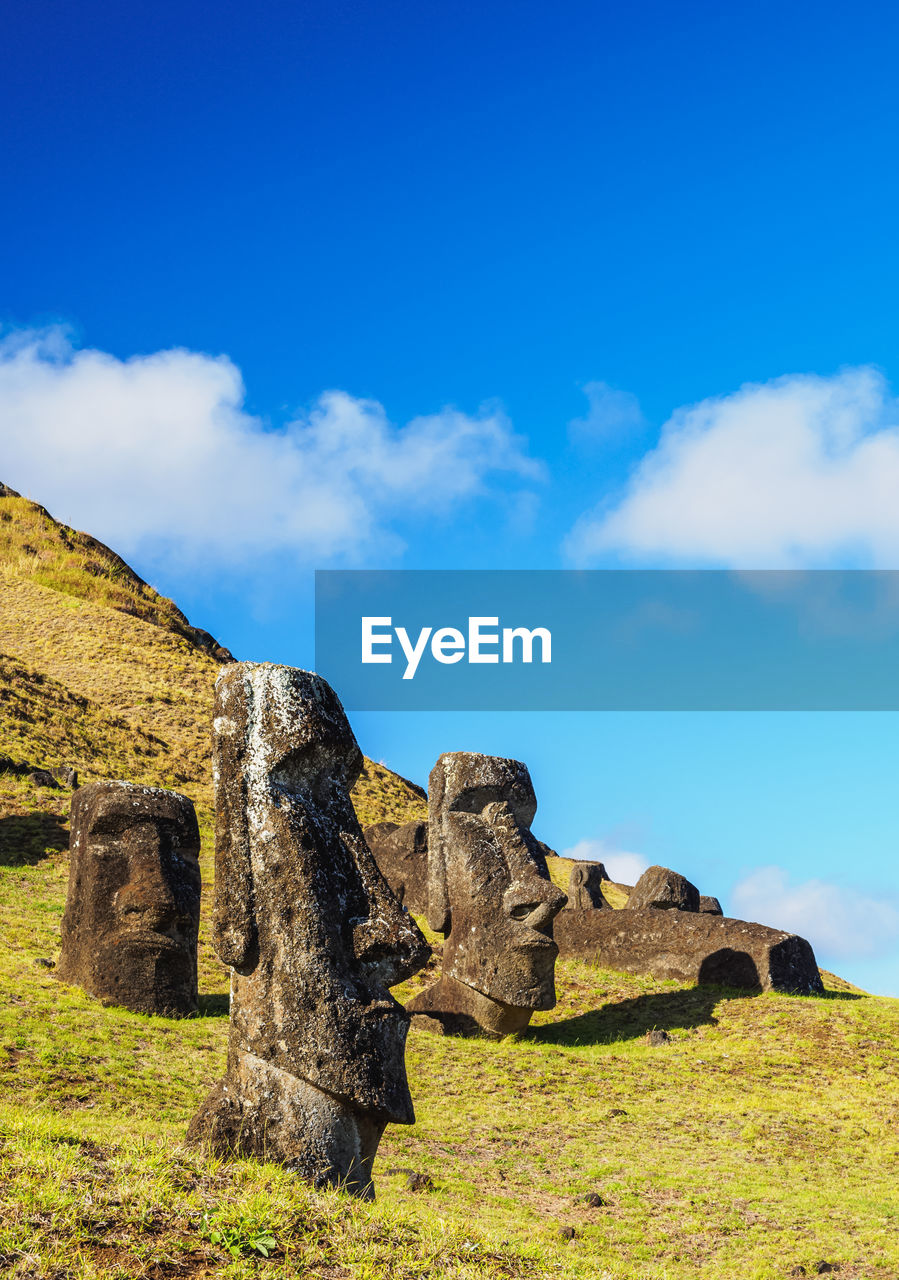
35 546
99 671
763 1137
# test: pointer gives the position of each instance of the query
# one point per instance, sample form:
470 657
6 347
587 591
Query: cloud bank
837 921
623 867
801 471
158 453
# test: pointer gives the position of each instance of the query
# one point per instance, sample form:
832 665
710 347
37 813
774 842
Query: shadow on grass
216 1006
27 838
631 1019
663 1011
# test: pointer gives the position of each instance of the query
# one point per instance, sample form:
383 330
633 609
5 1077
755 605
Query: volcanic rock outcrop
313 934
402 857
490 893
129 932
661 888
689 946
710 906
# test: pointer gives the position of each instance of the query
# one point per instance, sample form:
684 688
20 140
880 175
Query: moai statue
312 933
665 890
585 886
129 932
489 891
401 853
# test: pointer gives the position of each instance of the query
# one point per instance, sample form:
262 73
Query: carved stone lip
537 942
148 940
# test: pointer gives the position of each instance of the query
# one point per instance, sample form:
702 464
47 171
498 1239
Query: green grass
762 1137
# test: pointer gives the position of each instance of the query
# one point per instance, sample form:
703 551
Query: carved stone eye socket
303 767
523 910
476 799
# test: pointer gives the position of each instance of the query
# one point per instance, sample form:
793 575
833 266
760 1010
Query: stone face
490 893
313 935
710 906
662 888
585 887
129 932
402 857
688 946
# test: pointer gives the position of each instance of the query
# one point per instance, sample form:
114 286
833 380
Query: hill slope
99 671
761 1138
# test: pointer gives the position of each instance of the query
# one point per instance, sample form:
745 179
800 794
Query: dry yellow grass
99 671
35 546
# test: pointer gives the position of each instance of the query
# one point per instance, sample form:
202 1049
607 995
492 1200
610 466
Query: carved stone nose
148 894
535 901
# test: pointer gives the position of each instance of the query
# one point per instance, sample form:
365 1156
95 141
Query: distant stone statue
313 934
663 889
489 891
401 853
690 946
585 887
129 932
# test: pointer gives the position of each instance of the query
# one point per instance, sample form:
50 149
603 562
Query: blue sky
296 286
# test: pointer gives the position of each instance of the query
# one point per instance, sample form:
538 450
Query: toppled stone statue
490 893
40 777
401 853
129 932
313 935
585 887
689 946
662 888
43 778
710 906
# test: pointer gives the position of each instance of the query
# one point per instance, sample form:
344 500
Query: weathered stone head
401 853
313 935
129 932
585 887
664 890
490 893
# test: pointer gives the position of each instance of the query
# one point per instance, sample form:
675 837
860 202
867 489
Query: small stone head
129 932
310 927
585 886
489 889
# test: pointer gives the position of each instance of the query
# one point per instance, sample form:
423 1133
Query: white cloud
611 414
838 921
623 867
157 452
800 471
